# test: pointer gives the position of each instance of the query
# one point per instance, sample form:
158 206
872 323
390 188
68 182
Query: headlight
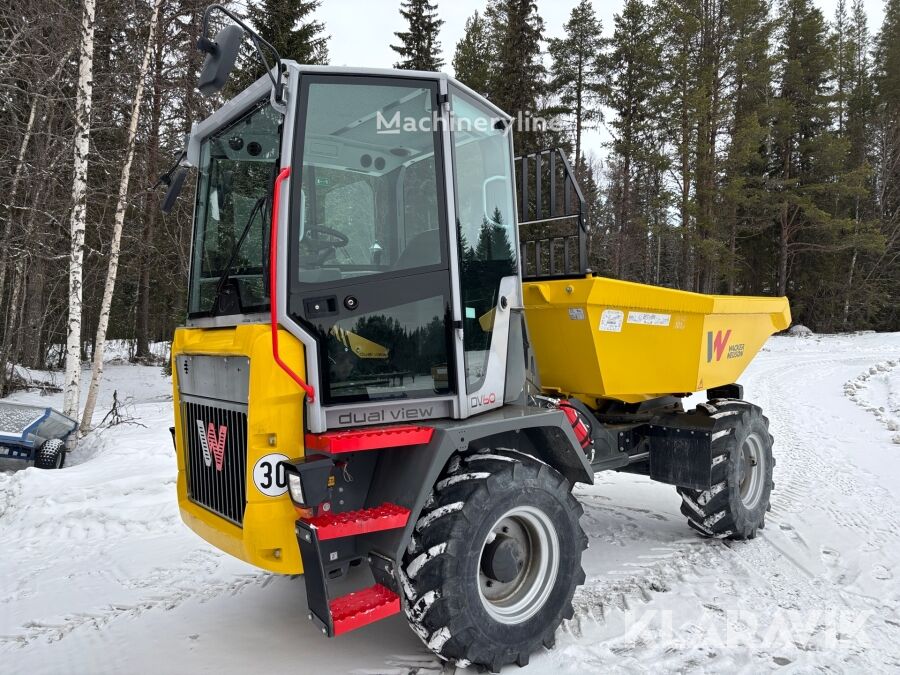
295 485
309 480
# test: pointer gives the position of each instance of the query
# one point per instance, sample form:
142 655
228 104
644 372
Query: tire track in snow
886 411
781 577
804 452
824 478
55 630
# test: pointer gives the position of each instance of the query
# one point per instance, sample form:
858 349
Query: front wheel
742 462
51 455
494 560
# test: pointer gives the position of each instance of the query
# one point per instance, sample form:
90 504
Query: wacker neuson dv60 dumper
395 357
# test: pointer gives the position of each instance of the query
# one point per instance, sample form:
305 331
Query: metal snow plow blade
602 338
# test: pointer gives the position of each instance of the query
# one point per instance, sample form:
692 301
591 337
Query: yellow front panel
601 338
274 425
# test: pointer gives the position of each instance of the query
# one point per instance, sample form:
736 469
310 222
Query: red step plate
351 523
360 608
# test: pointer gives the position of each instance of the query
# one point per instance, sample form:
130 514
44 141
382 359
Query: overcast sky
362 30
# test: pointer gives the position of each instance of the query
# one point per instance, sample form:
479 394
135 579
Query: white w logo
213 447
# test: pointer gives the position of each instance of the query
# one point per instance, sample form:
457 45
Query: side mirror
220 59
176 183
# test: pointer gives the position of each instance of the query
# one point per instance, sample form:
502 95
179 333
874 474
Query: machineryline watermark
522 122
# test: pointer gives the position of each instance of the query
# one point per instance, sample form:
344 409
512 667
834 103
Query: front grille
216 458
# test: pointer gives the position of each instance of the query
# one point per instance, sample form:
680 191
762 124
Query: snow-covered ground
97 573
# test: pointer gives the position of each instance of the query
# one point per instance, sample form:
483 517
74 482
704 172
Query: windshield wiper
234 253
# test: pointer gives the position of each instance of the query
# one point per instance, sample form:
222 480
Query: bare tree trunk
35 316
732 249
116 245
849 292
11 203
84 95
12 326
783 250
147 258
17 176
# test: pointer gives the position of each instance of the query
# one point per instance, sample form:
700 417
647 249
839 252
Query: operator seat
424 249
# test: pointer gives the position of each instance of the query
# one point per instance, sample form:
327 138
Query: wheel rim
535 539
752 471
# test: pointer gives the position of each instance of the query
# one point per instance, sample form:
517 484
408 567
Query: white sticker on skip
576 314
611 320
649 318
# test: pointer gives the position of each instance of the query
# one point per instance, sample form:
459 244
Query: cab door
488 245
368 264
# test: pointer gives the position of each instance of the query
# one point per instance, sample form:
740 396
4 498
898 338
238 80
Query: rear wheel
494 560
51 455
742 462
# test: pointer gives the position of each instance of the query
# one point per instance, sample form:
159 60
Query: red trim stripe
368 438
273 285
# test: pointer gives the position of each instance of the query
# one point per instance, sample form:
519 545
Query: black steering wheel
321 242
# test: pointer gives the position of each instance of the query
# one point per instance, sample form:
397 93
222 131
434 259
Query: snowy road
98 574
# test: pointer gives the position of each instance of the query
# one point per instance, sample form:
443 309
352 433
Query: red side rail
273 285
372 438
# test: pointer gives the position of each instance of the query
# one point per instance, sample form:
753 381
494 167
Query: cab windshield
369 195
238 165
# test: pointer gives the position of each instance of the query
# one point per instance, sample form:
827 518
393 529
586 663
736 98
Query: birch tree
72 391
118 223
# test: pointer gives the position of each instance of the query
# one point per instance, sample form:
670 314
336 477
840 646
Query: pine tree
810 167
577 70
746 205
887 81
695 67
887 162
680 19
633 92
856 108
860 99
289 26
474 56
419 47
517 81
713 42
842 59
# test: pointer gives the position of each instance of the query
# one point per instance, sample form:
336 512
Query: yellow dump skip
603 338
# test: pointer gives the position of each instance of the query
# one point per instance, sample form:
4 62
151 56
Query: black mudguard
406 475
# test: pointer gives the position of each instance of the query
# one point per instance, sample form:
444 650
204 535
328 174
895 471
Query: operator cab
396 237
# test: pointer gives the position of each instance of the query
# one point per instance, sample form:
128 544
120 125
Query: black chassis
656 438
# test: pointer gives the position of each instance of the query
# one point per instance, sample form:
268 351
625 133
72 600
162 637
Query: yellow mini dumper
396 359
